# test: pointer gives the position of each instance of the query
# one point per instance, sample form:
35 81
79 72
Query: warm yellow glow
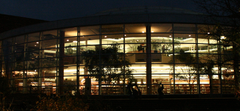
74 41
223 37
70 33
49 51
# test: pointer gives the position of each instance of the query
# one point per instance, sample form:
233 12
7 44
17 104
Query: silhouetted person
129 87
30 89
140 48
160 91
139 92
237 95
163 49
136 92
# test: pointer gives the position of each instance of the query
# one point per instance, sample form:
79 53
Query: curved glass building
101 54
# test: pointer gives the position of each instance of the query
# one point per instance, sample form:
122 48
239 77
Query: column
61 63
148 55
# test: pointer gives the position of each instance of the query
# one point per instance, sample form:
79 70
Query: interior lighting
152 31
67 39
142 31
74 41
105 36
125 35
35 45
189 35
208 33
37 42
223 37
170 35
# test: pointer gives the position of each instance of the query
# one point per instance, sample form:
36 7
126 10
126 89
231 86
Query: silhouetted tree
226 15
107 64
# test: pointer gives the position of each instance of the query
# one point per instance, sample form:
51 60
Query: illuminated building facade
48 57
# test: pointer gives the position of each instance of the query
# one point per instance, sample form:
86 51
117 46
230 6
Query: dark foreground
145 103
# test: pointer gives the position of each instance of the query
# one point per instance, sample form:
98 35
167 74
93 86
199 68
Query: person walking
160 91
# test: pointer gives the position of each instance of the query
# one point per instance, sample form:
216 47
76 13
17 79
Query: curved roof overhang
108 19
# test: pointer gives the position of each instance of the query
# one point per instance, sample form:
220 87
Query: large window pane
89 30
161 28
185 28
135 28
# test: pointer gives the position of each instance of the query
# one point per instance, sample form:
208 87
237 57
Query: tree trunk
210 82
236 67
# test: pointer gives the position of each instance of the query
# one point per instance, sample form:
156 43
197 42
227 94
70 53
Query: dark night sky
64 9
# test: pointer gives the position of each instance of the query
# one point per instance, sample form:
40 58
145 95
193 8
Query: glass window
70 32
161 28
33 37
162 38
184 28
19 39
111 29
91 40
135 28
205 29
70 41
184 38
49 35
112 39
89 30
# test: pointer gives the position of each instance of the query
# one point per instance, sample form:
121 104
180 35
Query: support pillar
61 63
25 66
78 60
148 55
40 57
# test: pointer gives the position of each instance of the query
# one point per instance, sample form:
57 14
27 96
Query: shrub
61 103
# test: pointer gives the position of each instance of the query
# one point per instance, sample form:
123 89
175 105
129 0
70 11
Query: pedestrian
129 87
160 91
